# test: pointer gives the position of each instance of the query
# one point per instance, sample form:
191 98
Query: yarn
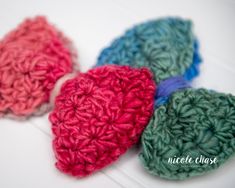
192 71
167 87
194 123
167 46
99 115
32 58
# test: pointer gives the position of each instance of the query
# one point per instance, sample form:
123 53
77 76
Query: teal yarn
194 123
167 46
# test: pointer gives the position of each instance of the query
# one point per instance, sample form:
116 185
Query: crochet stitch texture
99 115
32 58
193 122
167 46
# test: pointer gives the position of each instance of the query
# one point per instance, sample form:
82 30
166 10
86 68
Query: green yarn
194 123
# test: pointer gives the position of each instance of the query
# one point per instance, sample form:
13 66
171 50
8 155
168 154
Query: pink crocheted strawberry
32 58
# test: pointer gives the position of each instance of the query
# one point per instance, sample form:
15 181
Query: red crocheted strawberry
99 115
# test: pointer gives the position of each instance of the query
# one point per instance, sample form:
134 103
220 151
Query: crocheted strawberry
191 132
32 58
99 115
167 46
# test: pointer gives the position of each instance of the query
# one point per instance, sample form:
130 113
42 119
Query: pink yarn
32 58
99 115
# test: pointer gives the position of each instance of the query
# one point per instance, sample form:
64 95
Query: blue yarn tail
193 70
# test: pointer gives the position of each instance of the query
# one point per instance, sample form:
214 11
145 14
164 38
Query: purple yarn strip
170 85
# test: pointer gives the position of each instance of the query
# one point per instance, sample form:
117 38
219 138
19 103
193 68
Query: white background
26 157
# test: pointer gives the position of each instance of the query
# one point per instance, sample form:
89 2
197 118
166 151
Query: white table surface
26 157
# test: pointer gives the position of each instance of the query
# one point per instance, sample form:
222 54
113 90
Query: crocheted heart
197 123
99 115
32 58
167 46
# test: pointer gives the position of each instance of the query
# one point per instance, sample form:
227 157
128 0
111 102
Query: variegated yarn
167 46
